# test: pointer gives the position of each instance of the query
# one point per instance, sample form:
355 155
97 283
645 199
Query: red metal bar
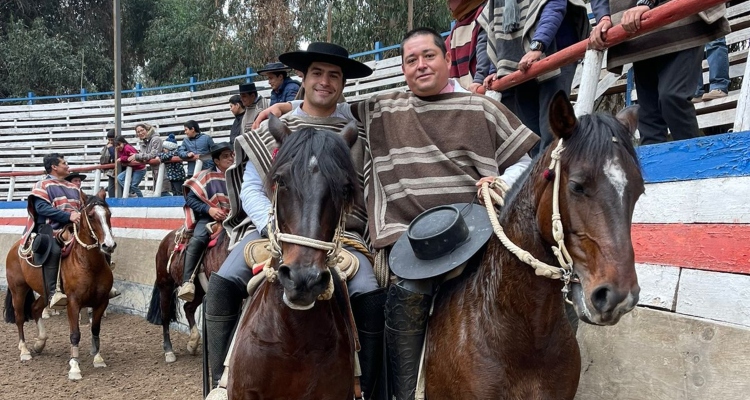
84 169
651 20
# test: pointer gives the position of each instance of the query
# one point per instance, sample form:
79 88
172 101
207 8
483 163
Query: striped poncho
59 193
258 147
211 187
430 151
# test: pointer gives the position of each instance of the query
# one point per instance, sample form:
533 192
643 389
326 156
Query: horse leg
18 297
165 303
96 322
190 308
37 311
75 337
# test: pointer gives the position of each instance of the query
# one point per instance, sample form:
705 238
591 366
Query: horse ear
629 118
102 194
350 134
278 129
84 198
562 117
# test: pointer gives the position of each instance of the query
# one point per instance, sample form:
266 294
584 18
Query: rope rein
333 248
91 233
565 272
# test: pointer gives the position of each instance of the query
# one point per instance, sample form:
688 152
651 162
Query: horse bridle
565 272
276 237
91 232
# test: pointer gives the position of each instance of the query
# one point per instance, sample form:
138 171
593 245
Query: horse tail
154 314
10 312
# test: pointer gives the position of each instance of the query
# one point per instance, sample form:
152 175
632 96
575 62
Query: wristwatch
536 45
649 3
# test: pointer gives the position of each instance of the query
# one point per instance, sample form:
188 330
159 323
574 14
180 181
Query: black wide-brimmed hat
327 53
42 245
248 88
216 150
74 175
273 67
439 240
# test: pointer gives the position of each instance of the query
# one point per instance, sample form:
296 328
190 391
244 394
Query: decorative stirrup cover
257 254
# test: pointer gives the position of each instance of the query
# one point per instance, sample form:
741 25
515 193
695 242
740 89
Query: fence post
12 186
742 119
31 98
592 66
159 179
138 90
629 89
198 167
83 94
378 55
128 180
97 181
248 72
192 87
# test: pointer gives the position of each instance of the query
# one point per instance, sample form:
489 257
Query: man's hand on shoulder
277 109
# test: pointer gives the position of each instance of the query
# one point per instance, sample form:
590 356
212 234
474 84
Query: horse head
312 184
600 182
97 216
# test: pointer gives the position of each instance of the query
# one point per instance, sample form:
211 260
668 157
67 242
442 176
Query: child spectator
174 171
125 150
195 145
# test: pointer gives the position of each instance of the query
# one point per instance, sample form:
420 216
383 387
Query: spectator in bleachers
467 44
195 145
717 55
125 150
283 88
666 63
174 171
238 110
149 148
522 32
108 157
253 102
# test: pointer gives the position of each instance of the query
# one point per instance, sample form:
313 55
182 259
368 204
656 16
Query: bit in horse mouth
296 306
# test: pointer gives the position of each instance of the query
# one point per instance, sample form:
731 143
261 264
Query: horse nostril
284 273
604 299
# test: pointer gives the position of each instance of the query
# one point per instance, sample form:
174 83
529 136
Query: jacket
150 146
200 144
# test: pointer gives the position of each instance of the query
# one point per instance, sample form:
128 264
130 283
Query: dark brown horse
85 274
500 331
162 309
291 343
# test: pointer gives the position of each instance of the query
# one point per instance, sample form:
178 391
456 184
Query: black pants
665 85
176 187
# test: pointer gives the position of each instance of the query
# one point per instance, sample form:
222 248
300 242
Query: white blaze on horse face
616 175
313 163
108 241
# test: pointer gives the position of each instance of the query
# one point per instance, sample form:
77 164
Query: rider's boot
223 302
112 292
57 300
369 315
193 254
406 315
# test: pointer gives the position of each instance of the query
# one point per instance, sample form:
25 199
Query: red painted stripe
117 222
713 247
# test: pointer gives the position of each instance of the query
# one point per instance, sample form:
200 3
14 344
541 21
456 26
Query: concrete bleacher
77 129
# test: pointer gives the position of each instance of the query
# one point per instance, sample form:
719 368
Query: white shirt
253 197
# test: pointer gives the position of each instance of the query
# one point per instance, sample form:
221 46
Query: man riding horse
53 203
326 67
205 201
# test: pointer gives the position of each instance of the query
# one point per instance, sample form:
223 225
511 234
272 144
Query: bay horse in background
499 331
85 274
292 343
162 309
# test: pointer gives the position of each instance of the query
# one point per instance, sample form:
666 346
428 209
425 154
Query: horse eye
279 181
576 187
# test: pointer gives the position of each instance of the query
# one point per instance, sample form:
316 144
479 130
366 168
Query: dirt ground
131 347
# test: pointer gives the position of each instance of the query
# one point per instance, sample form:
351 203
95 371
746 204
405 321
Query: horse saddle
215 228
258 253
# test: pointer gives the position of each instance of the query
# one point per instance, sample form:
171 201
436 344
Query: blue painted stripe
716 156
153 202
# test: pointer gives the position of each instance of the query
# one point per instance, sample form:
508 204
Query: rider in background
53 204
205 201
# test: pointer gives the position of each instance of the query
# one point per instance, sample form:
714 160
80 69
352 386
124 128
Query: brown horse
85 274
291 343
500 331
163 306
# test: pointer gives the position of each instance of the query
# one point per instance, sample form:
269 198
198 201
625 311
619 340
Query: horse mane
333 161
